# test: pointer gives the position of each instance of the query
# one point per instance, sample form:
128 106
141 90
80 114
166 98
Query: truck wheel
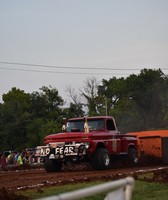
132 157
52 165
101 159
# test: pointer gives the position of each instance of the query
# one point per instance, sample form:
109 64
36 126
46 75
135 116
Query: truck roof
94 117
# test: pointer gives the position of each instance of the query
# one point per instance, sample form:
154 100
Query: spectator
19 160
16 158
10 158
3 162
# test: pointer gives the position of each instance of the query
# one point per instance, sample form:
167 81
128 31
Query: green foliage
113 90
34 136
50 127
15 116
27 118
47 103
139 102
75 110
127 115
149 91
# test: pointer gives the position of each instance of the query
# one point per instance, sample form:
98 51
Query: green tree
50 127
73 111
127 115
75 108
139 102
34 130
47 114
89 92
110 92
25 117
38 129
47 103
15 116
149 91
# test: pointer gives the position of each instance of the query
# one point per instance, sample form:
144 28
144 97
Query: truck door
115 141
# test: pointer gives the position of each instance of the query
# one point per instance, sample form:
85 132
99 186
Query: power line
66 72
53 72
70 67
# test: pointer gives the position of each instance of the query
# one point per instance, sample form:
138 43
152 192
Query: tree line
138 102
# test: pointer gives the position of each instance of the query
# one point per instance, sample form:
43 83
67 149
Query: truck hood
80 136
66 137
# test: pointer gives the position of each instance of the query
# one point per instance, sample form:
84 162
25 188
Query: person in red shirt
3 162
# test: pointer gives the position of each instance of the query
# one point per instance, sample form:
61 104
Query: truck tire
101 159
132 157
52 165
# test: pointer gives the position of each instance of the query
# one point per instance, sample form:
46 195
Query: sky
63 42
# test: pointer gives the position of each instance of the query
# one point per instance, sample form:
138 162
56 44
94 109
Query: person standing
19 160
3 162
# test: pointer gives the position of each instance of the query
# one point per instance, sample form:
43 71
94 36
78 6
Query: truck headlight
87 145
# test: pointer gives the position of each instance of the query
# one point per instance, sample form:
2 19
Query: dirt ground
26 177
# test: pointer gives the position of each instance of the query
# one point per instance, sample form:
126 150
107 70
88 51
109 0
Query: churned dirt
28 177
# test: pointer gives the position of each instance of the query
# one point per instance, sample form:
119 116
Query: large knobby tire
52 165
101 159
132 157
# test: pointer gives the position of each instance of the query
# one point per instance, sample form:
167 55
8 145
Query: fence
120 190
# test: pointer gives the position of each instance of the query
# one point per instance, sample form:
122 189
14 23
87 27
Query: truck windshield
78 125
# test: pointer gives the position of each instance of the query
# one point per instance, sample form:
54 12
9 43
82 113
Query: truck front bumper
62 150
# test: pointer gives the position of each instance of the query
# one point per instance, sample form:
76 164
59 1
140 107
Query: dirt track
23 179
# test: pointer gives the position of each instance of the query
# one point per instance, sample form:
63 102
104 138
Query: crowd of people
17 158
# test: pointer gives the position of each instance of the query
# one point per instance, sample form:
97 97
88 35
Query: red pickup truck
90 139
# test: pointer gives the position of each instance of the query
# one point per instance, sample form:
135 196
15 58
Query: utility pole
106 105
